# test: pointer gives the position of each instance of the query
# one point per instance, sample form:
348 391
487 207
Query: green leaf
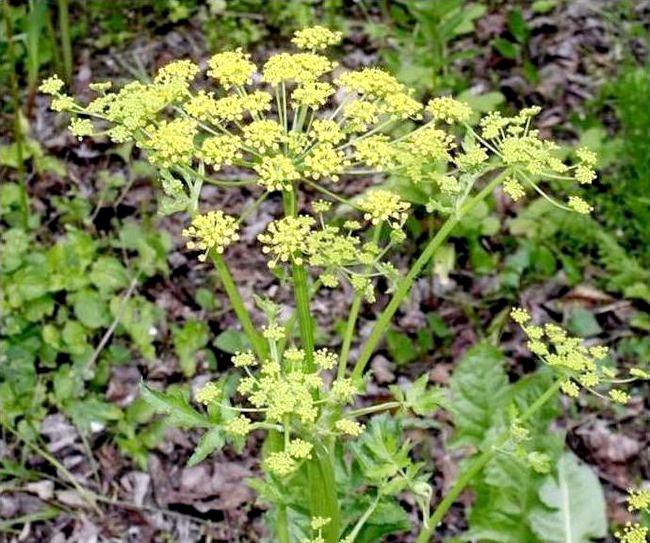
231 341
583 323
518 26
108 274
506 48
90 309
174 404
188 340
387 518
401 347
479 390
421 399
213 440
575 505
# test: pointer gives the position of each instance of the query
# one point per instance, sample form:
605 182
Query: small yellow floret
231 68
240 426
213 230
299 449
349 427
244 359
579 205
208 393
52 85
316 37
286 239
449 110
384 206
638 500
221 150
277 173
619 396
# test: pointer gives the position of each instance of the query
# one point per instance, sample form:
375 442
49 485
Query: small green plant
334 471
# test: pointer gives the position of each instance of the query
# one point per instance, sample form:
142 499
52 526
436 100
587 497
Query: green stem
372 409
301 293
352 318
405 284
479 463
349 332
256 340
66 43
282 525
18 128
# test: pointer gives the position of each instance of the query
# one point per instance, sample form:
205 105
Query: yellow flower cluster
211 231
449 110
286 239
219 151
208 393
349 427
264 135
316 37
81 127
577 364
297 67
231 68
277 173
176 77
638 500
52 85
313 94
325 161
384 206
326 131
239 426
171 143
633 533
376 151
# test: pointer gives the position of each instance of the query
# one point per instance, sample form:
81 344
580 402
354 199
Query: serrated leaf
422 399
575 505
175 406
213 440
479 389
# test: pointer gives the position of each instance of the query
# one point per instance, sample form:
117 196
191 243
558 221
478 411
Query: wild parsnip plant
301 123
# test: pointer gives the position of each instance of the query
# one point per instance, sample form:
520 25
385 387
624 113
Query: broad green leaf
231 341
212 440
575 505
108 274
174 404
90 309
479 389
401 347
188 340
583 323
422 399
387 518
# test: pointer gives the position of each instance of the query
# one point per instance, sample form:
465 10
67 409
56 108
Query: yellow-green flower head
230 108
280 464
587 156
401 105
286 239
584 174
633 533
579 205
326 131
171 143
135 105
430 143
638 500
244 359
257 102
344 391
294 355
360 115
100 86
316 37
222 150
449 110
375 151
176 77
81 127
513 188
299 67
202 106
299 449
240 426
446 183
277 173
208 393
349 427
272 332
570 389
371 83
232 68
318 523
313 94
325 359
264 135
211 231
520 316
472 159
384 206
325 161
52 85
619 396
63 103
